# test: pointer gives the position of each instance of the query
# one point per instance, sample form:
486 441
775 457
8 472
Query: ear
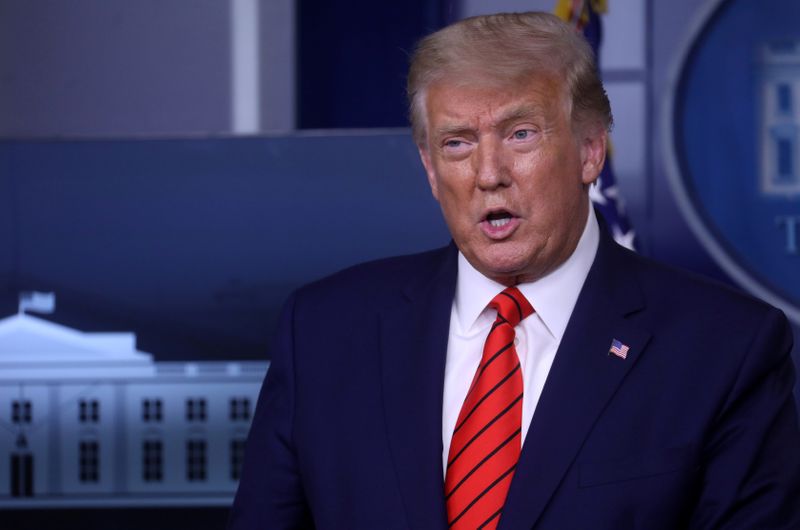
425 156
593 153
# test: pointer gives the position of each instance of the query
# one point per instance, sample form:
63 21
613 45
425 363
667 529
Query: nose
491 171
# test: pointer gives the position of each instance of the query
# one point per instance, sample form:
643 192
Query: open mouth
499 224
499 218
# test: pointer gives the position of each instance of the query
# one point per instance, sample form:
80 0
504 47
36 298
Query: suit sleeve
751 459
270 494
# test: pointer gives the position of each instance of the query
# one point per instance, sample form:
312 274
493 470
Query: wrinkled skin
511 154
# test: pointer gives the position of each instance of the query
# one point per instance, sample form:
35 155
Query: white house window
152 461
89 411
196 460
89 464
240 409
151 410
237 457
196 409
21 474
21 411
784 98
785 147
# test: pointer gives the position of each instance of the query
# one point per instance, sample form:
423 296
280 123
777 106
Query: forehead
464 99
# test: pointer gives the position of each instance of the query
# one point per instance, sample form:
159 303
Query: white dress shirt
537 337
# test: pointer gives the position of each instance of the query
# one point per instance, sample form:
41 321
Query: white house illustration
88 420
780 118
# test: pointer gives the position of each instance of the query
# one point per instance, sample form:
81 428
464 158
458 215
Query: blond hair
509 47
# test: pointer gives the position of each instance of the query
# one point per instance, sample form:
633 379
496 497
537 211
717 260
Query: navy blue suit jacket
696 428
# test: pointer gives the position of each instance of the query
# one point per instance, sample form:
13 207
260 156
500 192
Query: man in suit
533 374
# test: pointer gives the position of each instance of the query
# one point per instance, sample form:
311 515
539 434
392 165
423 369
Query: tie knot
512 306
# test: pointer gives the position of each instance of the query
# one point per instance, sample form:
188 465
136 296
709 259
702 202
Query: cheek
535 174
450 201
453 183
524 167
550 194
536 165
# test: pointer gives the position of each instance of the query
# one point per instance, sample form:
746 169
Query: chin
504 258
501 268
511 263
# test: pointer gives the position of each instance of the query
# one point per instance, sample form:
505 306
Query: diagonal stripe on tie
516 304
473 407
483 494
483 366
486 444
491 519
484 427
485 459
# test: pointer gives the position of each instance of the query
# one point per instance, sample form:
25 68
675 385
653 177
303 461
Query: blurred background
174 168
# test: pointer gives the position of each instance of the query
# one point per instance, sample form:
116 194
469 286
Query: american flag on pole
585 16
37 302
619 349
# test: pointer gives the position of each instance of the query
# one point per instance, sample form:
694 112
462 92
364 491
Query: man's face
510 173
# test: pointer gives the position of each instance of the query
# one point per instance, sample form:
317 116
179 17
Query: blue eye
452 143
522 134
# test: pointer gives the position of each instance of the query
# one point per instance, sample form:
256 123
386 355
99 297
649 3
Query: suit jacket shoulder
672 287
373 284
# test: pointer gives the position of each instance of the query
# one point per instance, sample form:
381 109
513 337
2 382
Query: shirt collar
552 296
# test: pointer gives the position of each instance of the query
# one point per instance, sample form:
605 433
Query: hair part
507 49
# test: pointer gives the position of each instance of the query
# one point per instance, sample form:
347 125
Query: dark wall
113 67
194 244
353 59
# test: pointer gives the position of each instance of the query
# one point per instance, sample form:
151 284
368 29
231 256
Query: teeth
497 223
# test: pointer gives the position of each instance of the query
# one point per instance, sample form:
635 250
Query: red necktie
486 440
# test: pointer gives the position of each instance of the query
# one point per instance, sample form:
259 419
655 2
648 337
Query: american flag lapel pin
619 349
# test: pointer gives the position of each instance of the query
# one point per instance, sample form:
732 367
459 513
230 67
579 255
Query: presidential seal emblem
733 143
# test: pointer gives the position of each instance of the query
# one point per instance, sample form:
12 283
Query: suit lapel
582 380
414 331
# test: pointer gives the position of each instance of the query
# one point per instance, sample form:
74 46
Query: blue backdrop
194 244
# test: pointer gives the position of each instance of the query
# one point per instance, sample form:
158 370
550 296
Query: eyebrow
524 111
447 130
520 112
